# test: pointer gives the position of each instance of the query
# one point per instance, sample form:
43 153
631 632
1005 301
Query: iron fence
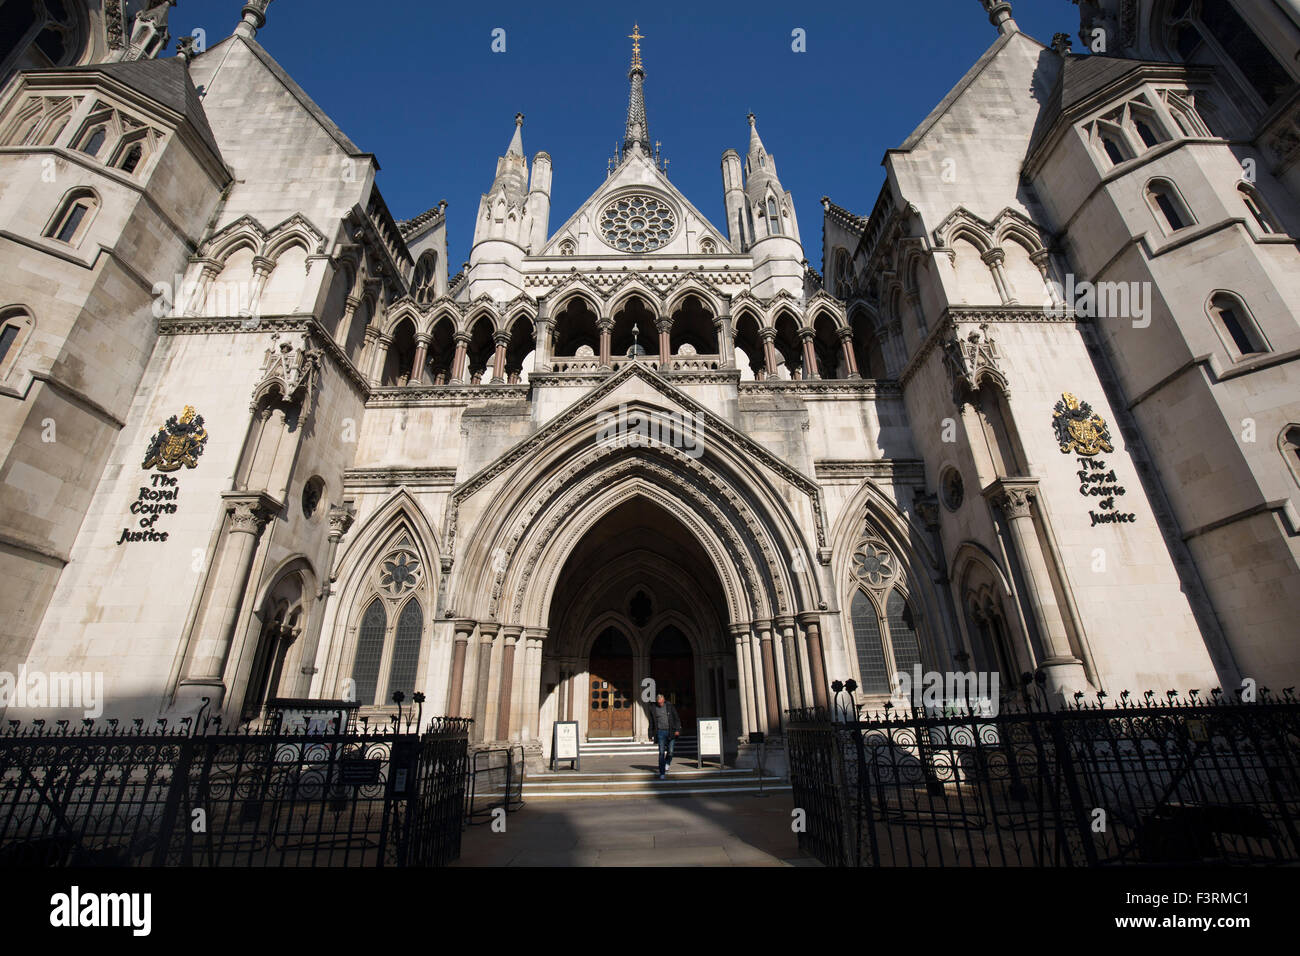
496 780
1186 782
124 795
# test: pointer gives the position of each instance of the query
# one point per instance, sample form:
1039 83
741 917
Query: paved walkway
741 830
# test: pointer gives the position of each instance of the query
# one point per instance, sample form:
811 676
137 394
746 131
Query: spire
516 147
637 130
755 144
511 180
999 12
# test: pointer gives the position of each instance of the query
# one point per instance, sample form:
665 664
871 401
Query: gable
636 178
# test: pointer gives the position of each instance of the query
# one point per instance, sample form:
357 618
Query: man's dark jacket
663 718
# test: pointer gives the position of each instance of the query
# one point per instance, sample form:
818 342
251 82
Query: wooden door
610 697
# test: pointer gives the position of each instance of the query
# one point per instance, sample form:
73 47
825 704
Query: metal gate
1186 783
127 797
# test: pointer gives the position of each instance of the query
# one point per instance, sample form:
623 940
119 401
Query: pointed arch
394 559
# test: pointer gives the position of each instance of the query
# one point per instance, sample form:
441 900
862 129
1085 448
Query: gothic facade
1040 416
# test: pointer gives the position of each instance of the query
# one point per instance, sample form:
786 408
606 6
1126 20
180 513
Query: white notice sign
566 740
710 731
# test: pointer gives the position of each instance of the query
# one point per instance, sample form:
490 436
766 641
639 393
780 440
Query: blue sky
417 84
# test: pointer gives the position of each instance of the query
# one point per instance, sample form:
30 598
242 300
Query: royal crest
179 442
1078 430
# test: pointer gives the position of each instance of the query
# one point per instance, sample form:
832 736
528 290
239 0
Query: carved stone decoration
178 443
340 520
291 370
114 24
875 565
1078 430
971 359
1014 501
247 515
927 507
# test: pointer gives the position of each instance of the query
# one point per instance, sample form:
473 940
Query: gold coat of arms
179 442
1078 430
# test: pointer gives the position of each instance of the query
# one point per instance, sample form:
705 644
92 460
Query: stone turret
769 222
505 224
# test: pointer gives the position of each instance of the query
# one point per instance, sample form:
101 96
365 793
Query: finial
1062 43
750 116
519 119
999 12
636 36
254 18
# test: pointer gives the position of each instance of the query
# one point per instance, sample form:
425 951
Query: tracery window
638 223
391 627
773 218
886 635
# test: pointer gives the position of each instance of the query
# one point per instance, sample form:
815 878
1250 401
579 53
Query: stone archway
637 585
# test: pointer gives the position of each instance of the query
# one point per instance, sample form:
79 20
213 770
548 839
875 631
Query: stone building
1040 416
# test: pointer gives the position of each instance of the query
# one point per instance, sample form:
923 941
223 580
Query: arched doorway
638 608
611 692
672 668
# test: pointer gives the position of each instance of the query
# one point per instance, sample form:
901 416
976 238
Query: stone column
350 306
501 340
793 680
510 637
1043 259
464 629
769 352
422 340
738 632
458 361
487 633
380 358
770 693
726 340
532 688
1014 497
542 338
850 360
994 259
262 269
816 662
810 369
664 326
754 666
194 305
605 326
248 514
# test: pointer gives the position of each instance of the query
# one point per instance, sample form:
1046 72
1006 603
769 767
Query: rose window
874 565
637 223
399 573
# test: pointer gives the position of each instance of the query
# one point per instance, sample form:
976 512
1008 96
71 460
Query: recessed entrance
611 692
672 667
638 600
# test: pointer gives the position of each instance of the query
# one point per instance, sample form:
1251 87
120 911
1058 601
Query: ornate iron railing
117 795
1185 781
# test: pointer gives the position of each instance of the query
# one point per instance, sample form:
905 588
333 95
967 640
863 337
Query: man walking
665 726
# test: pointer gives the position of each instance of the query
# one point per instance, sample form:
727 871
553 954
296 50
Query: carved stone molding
971 357
249 513
1014 497
291 368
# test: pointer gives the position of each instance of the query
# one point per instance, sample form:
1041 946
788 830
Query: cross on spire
636 36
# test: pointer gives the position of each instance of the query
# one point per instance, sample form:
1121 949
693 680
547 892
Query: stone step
682 782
